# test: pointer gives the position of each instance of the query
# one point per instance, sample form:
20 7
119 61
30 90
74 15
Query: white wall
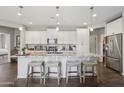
10 31
82 41
96 42
2 40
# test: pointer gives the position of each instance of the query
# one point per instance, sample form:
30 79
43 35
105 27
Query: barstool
72 62
92 62
50 64
31 67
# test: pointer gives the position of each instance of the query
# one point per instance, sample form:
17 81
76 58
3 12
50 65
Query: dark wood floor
108 78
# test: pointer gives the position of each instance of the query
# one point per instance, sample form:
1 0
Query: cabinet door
114 27
32 37
83 41
43 38
67 37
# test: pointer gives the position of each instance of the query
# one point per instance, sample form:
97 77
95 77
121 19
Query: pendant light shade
20 11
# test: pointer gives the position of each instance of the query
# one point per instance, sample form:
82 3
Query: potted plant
23 50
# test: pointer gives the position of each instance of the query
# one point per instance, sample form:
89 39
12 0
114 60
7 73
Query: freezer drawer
114 64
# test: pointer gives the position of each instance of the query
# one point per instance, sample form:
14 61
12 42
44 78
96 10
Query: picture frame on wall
18 41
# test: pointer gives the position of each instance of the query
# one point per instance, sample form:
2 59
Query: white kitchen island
24 60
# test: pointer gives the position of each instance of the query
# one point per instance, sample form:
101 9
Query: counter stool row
45 69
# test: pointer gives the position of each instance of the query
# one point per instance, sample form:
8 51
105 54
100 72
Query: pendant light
20 11
91 19
20 14
57 17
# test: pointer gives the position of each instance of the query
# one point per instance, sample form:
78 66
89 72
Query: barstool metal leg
78 70
93 70
48 71
32 70
84 73
44 75
66 74
41 74
28 75
58 74
80 73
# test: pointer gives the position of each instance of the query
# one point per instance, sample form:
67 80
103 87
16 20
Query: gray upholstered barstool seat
73 63
52 64
30 71
92 62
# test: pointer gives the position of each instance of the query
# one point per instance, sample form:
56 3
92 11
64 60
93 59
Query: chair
73 62
90 62
52 64
31 67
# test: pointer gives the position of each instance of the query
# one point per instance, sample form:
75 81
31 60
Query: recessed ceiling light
19 14
94 15
30 23
57 14
85 23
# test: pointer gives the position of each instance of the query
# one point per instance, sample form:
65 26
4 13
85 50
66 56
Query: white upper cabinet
33 37
40 37
43 37
67 37
114 27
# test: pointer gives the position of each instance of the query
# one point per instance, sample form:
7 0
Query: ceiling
70 16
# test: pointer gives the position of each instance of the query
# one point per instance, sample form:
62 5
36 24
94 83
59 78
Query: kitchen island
24 60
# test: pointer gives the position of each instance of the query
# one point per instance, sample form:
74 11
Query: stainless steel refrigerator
114 52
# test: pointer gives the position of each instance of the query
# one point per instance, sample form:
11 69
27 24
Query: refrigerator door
114 43
114 52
